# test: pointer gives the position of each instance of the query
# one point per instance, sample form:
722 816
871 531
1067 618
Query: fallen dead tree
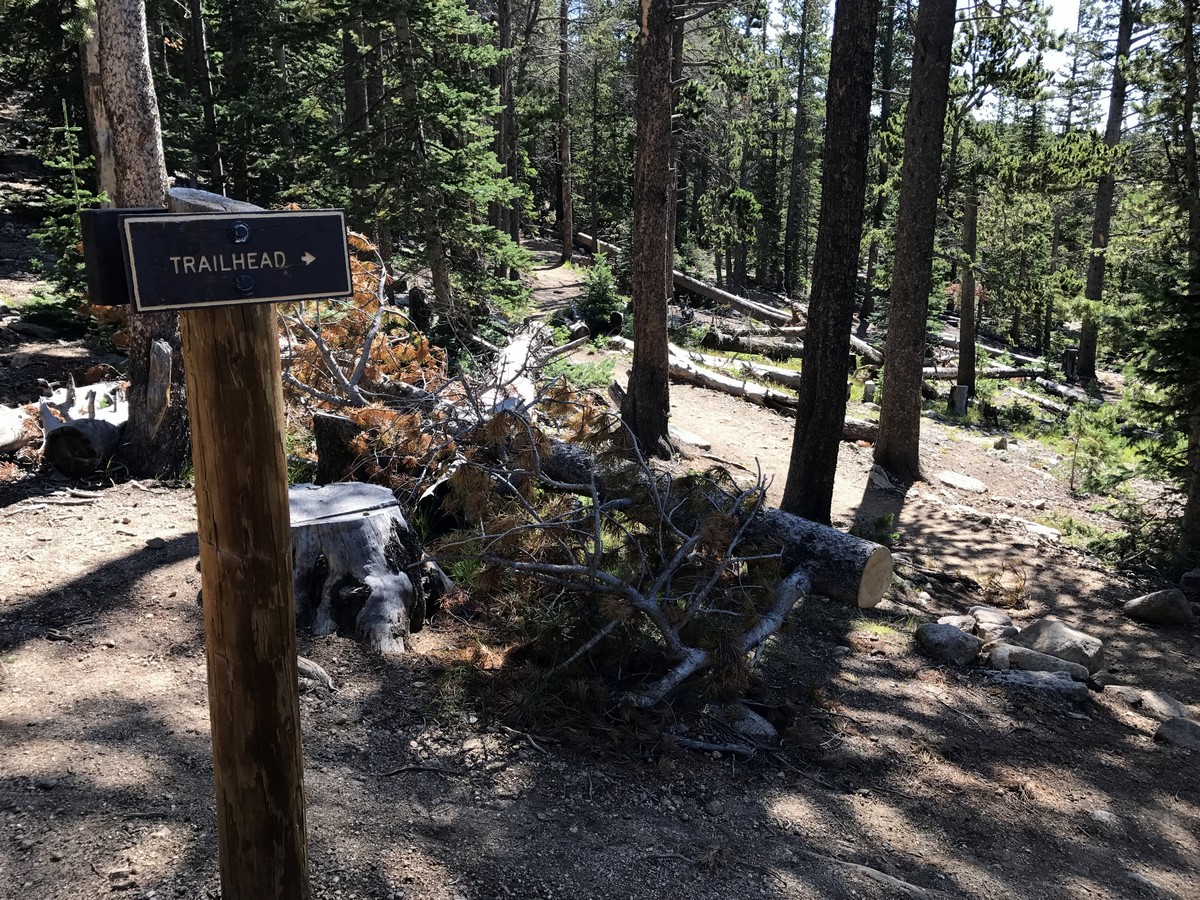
18 429
752 308
1072 395
996 351
78 438
682 368
949 373
751 343
1043 402
691 573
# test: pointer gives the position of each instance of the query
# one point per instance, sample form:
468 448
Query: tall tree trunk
1189 530
1048 312
822 397
157 433
428 199
210 140
899 445
673 165
355 87
792 271
966 306
647 403
1105 190
99 127
880 205
564 130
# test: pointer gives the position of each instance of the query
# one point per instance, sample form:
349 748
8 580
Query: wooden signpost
235 401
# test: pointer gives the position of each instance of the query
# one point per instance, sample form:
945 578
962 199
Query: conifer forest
463 449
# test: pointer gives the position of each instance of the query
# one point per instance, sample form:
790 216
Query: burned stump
358 566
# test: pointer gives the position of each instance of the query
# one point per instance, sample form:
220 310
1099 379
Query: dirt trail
928 774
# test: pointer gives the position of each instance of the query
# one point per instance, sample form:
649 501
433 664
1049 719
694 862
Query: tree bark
1189 526
647 402
1105 191
796 173
567 224
99 126
966 303
209 142
157 439
356 565
898 449
822 395
879 207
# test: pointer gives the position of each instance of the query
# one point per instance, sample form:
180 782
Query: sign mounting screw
239 232
244 283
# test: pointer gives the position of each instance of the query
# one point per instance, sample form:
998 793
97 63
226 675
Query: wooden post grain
235 400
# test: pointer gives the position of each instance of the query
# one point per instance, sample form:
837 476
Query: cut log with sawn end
358 566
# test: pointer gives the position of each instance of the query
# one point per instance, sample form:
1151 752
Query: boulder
1179 732
1008 656
1058 683
1190 583
1053 638
988 632
963 623
962 482
1169 607
1154 704
948 643
990 615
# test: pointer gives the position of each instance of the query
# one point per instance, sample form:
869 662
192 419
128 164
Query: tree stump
358 566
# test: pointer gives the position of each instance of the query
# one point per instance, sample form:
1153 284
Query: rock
1169 607
715 807
743 720
963 623
1154 704
33 330
1001 443
988 632
1190 583
1052 637
156 543
1107 820
1038 504
989 615
1008 656
19 360
1179 732
1059 683
948 643
1158 705
962 482
46 784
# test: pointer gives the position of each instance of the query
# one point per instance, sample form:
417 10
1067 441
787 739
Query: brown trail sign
219 261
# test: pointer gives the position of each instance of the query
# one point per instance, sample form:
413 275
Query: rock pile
1048 655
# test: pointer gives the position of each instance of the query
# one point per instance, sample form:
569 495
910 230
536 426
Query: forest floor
927 773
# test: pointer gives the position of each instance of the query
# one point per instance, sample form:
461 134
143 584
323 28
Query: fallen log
746 343
1074 395
785 377
1043 402
995 351
88 435
684 369
751 308
18 429
841 566
947 373
862 348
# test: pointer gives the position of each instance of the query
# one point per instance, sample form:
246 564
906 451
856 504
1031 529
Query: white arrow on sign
308 258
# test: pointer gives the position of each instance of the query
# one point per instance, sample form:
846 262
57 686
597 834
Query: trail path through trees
928 774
